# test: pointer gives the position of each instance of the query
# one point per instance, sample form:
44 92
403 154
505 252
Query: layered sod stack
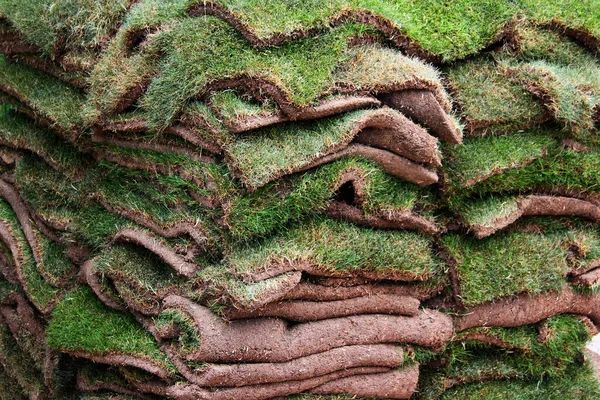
234 200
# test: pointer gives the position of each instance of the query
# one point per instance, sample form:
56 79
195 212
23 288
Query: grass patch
51 98
201 50
40 292
232 107
506 264
79 24
81 322
579 383
484 213
22 368
289 199
567 169
19 132
340 247
490 102
479 158
530 360
140 269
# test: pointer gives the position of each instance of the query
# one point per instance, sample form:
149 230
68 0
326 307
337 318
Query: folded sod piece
351 199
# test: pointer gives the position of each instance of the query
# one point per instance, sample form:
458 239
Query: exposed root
422 106
303 311
272 340
342 358
542 205
525 309
324 109
157 247
397 384
266 391
398 220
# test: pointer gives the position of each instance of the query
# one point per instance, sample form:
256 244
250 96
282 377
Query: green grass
79 23
480 158
189 339
564 71
452 30
138 269
490 102
19 132
200 50
580 383
10 389
289 199
51 98
567 169
22 368
232 107
485 212
81 322
340 247
527 359
40 292
506 264
573 91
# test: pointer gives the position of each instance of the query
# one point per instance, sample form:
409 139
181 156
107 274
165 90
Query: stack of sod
240 199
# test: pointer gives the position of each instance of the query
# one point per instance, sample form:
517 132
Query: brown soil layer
13 43
342 358
154 245
266 391
122 359
274 340
423 107
397 384
589 279
525 309
316 292
303 311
